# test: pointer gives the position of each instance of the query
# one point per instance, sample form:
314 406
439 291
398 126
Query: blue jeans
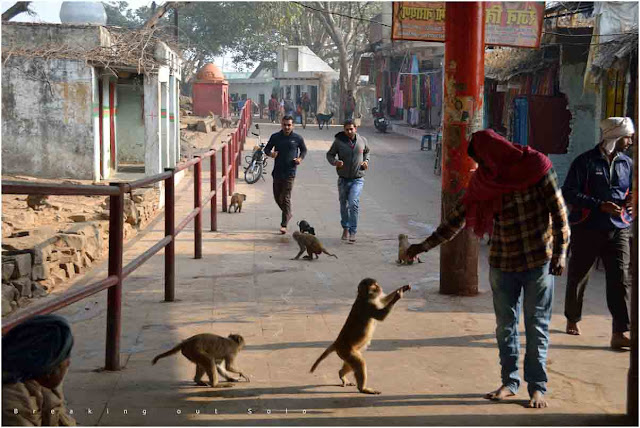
538 295
349 193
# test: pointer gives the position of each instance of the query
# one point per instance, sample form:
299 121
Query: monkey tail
174 350
328 253
324 355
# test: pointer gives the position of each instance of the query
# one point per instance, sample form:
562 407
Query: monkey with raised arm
403 246
371 305
310 244
209 350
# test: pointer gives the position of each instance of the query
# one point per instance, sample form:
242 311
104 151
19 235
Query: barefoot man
514 197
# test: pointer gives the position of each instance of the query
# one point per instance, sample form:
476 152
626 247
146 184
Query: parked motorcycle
256 162
380 122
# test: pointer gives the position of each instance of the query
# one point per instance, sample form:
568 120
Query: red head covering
505 167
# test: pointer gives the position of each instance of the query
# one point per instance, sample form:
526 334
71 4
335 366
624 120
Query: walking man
353 160
274 105
288 151
598 188
515 198
306 106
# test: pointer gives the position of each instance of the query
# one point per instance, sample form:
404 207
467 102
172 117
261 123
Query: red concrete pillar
463 95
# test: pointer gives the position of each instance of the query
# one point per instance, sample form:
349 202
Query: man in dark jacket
353 161
288 151
598 188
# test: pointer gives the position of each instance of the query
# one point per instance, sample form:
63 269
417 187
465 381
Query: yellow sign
517 24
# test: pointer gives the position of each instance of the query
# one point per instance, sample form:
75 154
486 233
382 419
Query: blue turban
35 348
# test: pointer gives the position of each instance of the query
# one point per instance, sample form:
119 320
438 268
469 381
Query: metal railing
231 155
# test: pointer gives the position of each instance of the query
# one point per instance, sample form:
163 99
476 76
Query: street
433 358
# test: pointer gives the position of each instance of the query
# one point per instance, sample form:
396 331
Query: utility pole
463 97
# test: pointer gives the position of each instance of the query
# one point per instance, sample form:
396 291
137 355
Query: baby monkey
371 305
209 350
236 202
403 246
310 244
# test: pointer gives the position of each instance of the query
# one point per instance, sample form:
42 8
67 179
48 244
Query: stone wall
38 260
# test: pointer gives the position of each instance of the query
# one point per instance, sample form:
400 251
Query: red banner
517 24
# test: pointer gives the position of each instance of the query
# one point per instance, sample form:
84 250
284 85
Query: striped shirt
531 229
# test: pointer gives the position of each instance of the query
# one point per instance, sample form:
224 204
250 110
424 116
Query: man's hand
365 165
339 164
610 208
556 267
628 203
414 250
273 154
297 161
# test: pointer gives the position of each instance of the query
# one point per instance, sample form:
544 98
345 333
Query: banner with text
517 24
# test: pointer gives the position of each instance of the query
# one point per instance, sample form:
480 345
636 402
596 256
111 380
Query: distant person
353 160
274 105
35 360
288 151
288 107
241 104
598 187
306 106
514 197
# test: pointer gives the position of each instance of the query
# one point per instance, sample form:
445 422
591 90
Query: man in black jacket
598 187
353 160
288 151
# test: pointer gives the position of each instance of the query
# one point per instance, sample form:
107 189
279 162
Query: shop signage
517 24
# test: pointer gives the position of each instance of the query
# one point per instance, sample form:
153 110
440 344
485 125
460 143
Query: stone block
23 285
37 290
73 240
79 218
69 270
6 306
39 272
8 268
22 263
10 292
86 261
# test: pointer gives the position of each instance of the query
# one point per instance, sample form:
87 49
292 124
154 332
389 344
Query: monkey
403 245
236 201
36 202
311 244
371 305
306 227
209 350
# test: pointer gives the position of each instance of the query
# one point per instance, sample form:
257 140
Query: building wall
34 36
582 105
253 90
130 124
47 118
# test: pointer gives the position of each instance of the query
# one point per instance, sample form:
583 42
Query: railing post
214 200
236 160
230 154
114 294
225 178
197 203
169 230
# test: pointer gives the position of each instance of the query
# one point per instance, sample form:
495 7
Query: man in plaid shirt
514 197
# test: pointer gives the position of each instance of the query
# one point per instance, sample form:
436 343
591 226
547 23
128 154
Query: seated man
35 359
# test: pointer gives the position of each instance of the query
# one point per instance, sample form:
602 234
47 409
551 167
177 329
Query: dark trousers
282 188
272 115
612 246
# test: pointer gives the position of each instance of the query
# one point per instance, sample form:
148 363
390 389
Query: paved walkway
433 358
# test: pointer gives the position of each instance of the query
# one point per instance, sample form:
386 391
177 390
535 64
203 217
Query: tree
17 9
119 14
347 25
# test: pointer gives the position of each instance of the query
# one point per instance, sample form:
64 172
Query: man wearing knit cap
35 359
598 187
514 196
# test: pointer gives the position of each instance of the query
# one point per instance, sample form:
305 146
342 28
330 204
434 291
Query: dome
210 72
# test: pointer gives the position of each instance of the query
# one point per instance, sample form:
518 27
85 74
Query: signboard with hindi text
517 24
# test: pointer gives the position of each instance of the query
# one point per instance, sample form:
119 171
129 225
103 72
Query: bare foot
499 394
573 329
538 401
283 230
369 391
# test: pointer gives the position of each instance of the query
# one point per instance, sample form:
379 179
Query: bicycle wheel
253 172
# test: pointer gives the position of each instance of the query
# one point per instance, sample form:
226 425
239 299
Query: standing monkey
371 305
310 244
209 350
403 246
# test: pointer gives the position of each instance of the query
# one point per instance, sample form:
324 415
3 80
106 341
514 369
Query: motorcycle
380 122
256 162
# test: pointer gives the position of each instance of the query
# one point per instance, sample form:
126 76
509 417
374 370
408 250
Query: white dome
83 12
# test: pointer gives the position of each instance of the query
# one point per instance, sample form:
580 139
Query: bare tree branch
16 9
159 12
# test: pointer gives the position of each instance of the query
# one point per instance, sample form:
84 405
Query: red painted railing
231 155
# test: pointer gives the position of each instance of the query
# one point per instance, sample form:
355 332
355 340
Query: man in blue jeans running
353 160
514 197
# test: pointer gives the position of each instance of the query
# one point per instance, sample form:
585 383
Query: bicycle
256 162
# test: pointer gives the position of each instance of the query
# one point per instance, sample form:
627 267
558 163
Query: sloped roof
504 63
613 50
